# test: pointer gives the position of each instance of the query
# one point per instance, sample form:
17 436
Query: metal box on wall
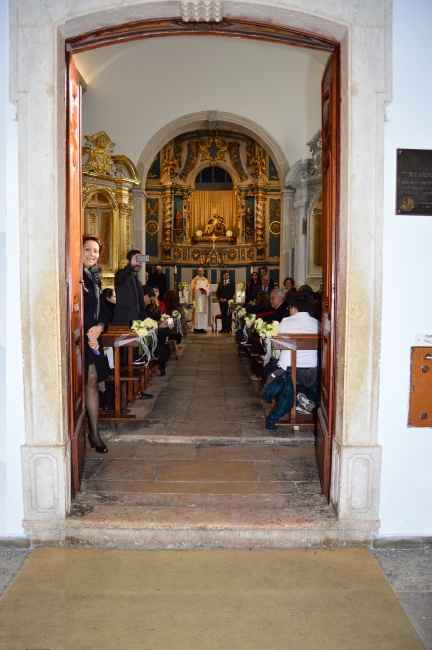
420 408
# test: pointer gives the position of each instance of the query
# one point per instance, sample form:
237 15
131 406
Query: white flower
275 328
150 324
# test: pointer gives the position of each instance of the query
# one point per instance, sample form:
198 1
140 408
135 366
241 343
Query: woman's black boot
97 443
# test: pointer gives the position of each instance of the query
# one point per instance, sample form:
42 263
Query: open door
330 206
74 222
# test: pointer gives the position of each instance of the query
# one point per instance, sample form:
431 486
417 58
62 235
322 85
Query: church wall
406 489
12 398
275 86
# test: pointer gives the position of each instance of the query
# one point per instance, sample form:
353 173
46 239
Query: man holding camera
130 300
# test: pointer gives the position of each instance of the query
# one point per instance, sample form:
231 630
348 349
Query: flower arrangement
266 330
167 320
146 330
240 312
144 327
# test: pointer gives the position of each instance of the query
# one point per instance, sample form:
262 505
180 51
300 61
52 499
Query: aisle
203 465
208 392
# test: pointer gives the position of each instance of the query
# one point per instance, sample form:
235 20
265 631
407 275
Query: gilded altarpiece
215 189
108 180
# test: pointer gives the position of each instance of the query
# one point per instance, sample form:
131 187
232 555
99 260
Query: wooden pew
133 378
294 343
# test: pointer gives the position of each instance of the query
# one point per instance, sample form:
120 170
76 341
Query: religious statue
249 224
215 226
97 154
178 227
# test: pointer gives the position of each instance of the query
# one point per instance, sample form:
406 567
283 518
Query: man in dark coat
279 304
130 301
158 279
224 293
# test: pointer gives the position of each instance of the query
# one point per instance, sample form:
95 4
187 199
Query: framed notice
414 182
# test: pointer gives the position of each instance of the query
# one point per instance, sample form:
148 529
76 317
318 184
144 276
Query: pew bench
294 343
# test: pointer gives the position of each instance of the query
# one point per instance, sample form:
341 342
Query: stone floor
203 457
408 567
206 393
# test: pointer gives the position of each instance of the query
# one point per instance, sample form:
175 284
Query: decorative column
286 239
241 214
122 196
138 234
260 217
167 222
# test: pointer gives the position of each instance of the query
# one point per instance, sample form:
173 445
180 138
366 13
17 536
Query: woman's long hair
172 301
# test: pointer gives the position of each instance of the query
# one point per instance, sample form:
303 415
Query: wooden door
330 204
74 221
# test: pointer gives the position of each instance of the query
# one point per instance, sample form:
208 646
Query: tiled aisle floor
208 391
219 457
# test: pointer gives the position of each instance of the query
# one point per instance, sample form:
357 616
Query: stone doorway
356 456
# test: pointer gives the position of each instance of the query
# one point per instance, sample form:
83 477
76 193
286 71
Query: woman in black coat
95 320
253 288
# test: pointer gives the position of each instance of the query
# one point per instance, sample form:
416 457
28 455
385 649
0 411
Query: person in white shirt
298 322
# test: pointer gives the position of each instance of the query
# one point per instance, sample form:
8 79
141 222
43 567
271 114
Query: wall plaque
414 181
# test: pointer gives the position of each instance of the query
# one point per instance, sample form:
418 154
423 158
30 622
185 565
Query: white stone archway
203 121
39 31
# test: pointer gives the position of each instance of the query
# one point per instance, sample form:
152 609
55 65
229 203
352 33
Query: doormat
104 599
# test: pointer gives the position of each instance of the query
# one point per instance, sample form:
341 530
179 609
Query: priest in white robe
200 288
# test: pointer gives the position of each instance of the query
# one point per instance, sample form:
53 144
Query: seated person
299 322
253 287
152 311
158 301
279 305
289 284
109 301
313 299
172 303
261 305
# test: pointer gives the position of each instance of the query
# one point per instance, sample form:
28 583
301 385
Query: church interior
193 177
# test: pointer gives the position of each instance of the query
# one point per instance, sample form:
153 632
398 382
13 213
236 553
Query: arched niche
238 215
314 243
101 219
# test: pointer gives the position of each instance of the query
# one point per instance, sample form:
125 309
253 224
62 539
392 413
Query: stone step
126 526
221 496
297 439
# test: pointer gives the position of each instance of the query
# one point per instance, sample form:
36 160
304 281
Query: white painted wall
11 397
406 491
136 89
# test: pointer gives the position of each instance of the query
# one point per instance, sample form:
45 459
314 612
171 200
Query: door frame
41 128
249 30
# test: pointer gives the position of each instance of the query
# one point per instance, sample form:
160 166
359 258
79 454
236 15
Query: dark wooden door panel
330 199
74 276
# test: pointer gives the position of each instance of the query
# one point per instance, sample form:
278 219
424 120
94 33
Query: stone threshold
227 537
211 439
175 528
